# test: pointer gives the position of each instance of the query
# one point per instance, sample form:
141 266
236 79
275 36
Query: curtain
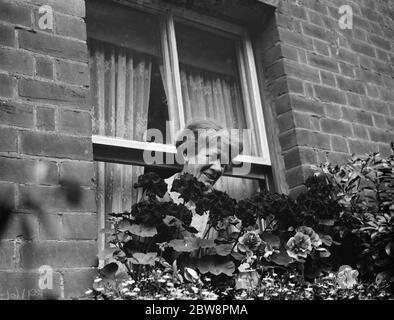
208 95
120 86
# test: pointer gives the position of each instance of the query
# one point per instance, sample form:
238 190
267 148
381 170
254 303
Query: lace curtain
120 86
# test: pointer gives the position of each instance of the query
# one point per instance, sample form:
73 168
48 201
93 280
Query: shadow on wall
71 192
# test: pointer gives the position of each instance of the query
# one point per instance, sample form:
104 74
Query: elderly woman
206 150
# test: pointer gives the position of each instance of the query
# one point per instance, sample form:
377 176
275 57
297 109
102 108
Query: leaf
109 270
191 275
144 258
216 265
271 239
281 258
190 244
389 249
327 222
326 239
142 231
323 253
224 249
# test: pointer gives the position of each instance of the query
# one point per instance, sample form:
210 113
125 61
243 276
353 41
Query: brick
327 78
50 227
339 144
50 145
21 225
75 122
298 156
70 26
307 105
16 114
380 42
329 95
295 85
80 226
323 62
336 127
315 122
59 254
275 70
288 139
295 176
45 118
321 47
313 139
44 91
350 85
6 86
16 61
353 100
53 45
333 111
13 12
386 95
314 17
302 120
72 73
81 172
289 52
315 31
337 157
361 147
7 36
48 172
18 170
358 116
283 104
7 191
298 12
295 39
301 71
372 91
70 7
285 121
363 48
379 135
360 132
55 199
44 68
379 121
77 282
7 258
344 55
377 106
8 140
360 34
346 69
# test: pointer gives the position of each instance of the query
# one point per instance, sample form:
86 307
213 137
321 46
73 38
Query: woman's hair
195 132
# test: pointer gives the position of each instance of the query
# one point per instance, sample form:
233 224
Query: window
152 64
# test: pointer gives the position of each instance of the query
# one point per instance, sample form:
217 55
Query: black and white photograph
228 150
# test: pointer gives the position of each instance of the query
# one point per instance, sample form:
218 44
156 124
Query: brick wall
331 90
45 140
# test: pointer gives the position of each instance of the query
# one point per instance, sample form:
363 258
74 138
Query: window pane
209 78
127 86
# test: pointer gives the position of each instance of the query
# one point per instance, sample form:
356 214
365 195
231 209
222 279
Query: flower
347 277
315 239
299 246
250 241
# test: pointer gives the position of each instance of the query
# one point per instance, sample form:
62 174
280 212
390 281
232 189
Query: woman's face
207 165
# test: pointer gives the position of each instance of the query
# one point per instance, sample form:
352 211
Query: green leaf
224 249
142 231
281 258
216 265
271 239
390 249
109 270
144 258
323 253
326 239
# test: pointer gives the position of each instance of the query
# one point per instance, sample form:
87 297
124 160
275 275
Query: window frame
118 150
253 107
